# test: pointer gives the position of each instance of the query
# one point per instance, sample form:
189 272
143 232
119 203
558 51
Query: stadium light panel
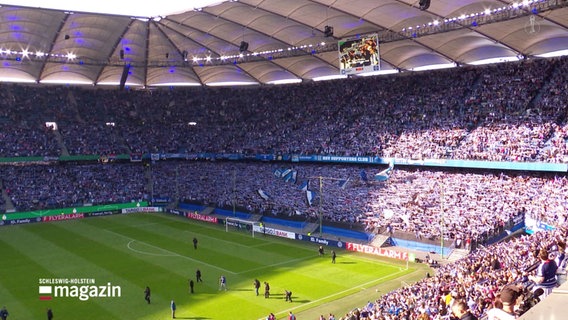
231 83
435 67
378 73
131 8
554 54
493 60
284 81
330 77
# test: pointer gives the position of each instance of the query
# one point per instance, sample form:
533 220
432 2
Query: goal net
240 225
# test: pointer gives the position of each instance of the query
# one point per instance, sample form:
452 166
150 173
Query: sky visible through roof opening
134 8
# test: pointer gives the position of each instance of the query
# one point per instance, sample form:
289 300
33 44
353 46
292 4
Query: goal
236 224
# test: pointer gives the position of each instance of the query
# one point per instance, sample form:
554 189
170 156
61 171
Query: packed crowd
470 205
478 281
470 201
507 112
25 141
36 187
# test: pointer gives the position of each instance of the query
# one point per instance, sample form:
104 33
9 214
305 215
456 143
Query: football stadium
308 159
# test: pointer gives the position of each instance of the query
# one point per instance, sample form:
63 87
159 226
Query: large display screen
359 55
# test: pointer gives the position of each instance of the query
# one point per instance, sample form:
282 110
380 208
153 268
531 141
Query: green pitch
138 250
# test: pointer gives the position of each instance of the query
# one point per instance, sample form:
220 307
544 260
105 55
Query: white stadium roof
199 44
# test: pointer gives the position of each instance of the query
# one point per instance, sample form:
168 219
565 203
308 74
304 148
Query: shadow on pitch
241 289
347 262
294 300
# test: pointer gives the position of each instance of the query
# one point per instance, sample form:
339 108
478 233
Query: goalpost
242 225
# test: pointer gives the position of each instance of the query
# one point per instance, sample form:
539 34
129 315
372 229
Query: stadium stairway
457 254
548 85
310 227
149 177
8 204
73 102
207 210
256 217
60 143
380 240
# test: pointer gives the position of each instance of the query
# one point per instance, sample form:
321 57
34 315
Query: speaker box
424 4
328 31
244 46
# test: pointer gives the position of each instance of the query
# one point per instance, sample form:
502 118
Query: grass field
138 250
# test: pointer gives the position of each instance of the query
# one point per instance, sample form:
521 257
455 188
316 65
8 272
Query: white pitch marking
129 246
173 253
275 264
336 294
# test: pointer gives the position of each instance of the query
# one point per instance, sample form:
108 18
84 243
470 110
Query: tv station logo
82 289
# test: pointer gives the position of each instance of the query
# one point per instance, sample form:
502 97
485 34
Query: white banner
274 232
142 209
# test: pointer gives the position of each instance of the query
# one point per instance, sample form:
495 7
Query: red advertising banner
64 217
201 217
377 251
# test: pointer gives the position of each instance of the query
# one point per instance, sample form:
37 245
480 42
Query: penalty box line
267 239
361 286
275 265
173 254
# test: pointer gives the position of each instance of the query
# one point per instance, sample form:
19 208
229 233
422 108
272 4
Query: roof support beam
48 52
102 68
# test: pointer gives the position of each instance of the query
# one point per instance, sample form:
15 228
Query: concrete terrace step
380 240
207 210
457 254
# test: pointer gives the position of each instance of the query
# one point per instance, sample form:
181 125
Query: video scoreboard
359 54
